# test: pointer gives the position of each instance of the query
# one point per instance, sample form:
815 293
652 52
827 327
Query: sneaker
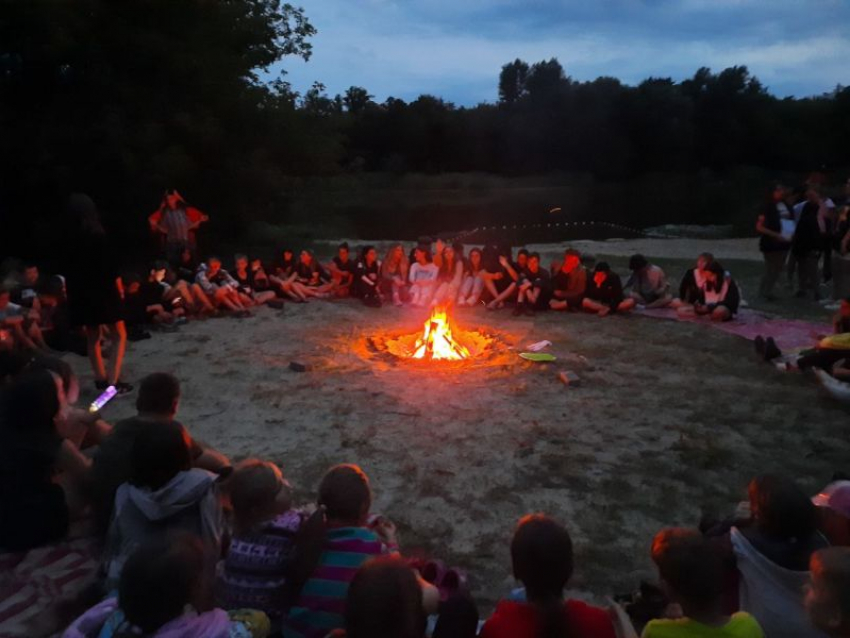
771 350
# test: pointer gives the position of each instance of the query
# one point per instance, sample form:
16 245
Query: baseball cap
835 496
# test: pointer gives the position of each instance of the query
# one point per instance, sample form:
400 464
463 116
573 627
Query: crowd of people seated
195 547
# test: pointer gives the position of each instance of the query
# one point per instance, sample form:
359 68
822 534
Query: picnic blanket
789 334
33 582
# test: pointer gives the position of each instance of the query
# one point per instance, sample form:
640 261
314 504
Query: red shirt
519 620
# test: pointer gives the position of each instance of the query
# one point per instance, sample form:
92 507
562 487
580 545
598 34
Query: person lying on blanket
831 354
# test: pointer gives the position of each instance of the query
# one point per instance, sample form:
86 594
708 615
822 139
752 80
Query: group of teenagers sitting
33 308
197 548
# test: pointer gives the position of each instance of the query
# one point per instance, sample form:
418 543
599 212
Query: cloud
455 48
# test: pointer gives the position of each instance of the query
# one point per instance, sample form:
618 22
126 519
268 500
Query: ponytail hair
542 556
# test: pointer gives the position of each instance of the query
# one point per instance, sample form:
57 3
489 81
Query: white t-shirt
420 274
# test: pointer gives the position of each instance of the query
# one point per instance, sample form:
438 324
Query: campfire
437 342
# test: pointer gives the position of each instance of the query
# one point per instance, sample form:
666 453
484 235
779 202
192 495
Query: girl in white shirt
423 277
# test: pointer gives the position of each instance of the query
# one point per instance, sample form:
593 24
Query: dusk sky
455 48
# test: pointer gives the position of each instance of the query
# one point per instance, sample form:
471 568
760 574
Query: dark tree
512 81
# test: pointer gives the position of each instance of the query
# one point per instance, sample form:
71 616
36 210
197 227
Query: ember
436 342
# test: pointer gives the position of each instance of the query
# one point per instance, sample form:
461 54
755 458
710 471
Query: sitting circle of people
194 546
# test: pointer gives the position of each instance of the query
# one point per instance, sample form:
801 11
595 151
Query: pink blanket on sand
789 334
31 583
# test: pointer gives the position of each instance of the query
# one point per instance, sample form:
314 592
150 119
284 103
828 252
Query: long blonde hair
392 266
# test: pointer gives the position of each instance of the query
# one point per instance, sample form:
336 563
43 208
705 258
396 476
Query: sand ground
670 418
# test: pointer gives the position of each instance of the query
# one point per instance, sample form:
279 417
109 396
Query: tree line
122 100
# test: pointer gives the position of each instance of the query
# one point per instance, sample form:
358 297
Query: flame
436 341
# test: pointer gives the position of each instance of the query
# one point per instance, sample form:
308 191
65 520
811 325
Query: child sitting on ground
161 594
828 596
542 557
692 574
346 498
254 571
166 494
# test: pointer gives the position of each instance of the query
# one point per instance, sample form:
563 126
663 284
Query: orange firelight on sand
436 341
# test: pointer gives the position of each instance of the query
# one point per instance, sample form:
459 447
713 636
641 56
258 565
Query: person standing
841 251
95 291
176 223
809 240
773 243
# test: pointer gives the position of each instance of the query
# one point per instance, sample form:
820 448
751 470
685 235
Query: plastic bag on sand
537 347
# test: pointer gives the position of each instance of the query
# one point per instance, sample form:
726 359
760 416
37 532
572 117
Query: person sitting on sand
770 552
719 297
692 576
692 281
367 278
254 572
186 265
165 495
20 324
345 496
157 403
163 593
472 285
145 305
450 276
55 319
833 503
394 274
829 352
569 283
604 293
83 428
341 269
423 277
386 599
42 475
542 558
178 291
284 277
501 277
255 290
314 279
30 283
648 284
220 287
535 287
828 595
